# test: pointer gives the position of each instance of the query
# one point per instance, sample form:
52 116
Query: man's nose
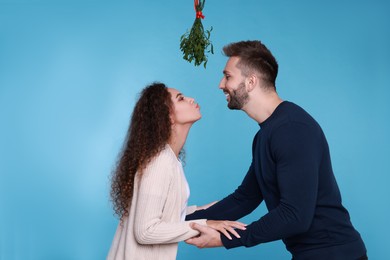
221 83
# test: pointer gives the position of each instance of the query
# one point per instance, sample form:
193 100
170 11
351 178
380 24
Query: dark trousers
360 258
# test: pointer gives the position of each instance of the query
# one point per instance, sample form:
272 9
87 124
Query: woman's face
185 109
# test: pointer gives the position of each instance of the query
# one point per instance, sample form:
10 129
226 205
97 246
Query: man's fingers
195 241
192 241
198 227
208 237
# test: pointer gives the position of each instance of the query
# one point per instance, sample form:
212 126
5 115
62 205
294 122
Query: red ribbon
198 13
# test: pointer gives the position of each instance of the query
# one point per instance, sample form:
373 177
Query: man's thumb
197 226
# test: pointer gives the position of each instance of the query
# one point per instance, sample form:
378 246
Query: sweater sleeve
240 203
297 151
235 206
155 185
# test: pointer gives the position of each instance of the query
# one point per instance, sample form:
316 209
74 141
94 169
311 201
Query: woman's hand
207 205
226 227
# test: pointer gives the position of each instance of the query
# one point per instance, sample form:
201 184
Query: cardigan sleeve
191 209
154 187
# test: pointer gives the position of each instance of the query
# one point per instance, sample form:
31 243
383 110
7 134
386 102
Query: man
290 170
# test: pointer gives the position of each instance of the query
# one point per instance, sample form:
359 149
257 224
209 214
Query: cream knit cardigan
154 226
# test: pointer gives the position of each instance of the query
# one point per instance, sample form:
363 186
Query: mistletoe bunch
196 43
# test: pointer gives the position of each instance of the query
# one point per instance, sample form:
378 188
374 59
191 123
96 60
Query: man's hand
208 237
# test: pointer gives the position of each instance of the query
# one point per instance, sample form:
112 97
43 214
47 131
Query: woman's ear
171 119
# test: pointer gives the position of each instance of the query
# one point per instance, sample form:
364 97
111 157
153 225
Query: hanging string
199 13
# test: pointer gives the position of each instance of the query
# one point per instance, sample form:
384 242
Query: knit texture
154 226
291 172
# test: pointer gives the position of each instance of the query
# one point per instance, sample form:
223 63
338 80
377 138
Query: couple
290 170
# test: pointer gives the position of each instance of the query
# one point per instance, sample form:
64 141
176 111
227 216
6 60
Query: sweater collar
274 114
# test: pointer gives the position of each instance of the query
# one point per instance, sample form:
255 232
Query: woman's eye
181 98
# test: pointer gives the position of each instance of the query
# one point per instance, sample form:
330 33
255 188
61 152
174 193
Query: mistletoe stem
195 43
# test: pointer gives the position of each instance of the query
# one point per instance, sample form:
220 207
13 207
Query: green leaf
196 42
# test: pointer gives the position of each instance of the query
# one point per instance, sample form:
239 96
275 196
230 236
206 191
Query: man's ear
251 81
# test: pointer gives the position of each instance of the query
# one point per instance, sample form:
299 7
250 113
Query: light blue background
70 71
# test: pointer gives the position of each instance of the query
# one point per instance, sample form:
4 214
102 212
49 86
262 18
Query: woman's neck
178 138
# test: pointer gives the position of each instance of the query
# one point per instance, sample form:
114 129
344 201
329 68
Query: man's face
233 85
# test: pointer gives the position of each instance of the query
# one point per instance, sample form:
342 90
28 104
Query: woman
149 190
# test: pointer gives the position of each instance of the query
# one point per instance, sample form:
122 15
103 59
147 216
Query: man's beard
238 97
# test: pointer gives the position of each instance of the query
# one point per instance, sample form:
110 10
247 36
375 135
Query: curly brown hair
148 133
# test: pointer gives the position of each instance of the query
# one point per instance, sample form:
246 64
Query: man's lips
227 95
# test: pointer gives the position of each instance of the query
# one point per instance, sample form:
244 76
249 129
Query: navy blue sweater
291 171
